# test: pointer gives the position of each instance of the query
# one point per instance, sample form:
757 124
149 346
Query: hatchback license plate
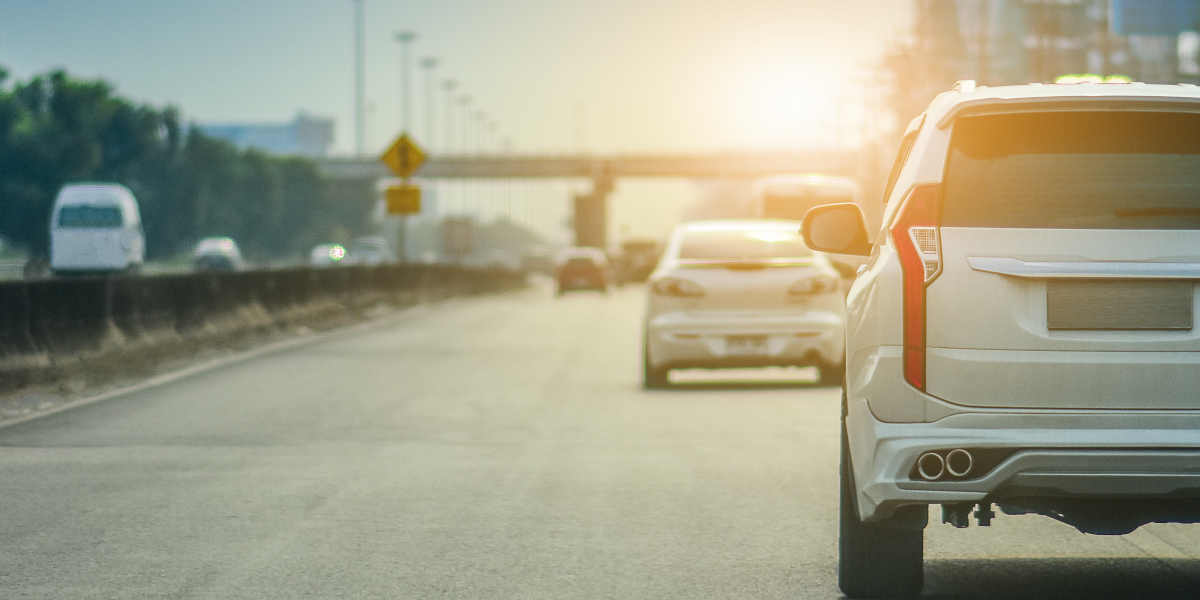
1119 305
746 344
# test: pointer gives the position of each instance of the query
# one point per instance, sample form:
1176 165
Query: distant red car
582 269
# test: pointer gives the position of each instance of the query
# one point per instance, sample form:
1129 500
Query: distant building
305 135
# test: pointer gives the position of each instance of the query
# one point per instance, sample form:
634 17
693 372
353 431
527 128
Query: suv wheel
883 559
652 378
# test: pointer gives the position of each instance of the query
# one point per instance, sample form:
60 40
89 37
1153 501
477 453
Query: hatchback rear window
746 244
580 263
1074 170
89 216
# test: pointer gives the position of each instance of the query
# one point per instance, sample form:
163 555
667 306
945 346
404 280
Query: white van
790 196
96 228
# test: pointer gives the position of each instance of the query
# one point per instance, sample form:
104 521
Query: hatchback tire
884 559
652 378
831 375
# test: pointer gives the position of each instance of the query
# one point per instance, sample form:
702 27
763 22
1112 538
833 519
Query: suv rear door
1070 248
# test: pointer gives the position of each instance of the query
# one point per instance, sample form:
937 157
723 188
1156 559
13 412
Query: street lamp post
359 108
404 38
449 86
465 102
481 133
429 63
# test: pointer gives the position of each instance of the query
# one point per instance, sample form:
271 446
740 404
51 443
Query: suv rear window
85 216
1074 170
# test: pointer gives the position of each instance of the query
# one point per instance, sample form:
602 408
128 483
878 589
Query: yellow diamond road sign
403 157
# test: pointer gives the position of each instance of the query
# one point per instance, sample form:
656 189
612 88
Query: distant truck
96 228
790 196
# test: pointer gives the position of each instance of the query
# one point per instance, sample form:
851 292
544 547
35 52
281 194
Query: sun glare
790 105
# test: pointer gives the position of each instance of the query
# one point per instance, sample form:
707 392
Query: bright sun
782 105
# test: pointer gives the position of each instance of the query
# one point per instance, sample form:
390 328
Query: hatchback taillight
918 244
676 287
812 285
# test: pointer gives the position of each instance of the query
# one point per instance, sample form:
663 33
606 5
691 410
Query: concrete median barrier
89 326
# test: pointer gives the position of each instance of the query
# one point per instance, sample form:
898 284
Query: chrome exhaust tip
931 466
959 462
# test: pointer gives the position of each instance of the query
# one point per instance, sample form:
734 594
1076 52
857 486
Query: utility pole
360 129
429 63
404 38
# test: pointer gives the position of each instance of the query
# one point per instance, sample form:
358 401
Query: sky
555 75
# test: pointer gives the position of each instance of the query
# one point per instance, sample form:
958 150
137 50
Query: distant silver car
217 254
740 293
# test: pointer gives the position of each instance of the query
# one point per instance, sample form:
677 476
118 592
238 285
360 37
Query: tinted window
86 216
1108 170
580 262
743 244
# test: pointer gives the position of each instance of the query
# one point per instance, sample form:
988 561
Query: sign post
403 158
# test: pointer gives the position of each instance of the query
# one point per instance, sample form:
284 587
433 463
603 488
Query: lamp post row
475 130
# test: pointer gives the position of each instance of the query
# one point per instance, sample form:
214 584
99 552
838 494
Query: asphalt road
487 448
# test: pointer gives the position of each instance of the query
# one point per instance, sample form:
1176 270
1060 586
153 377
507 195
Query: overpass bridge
591 208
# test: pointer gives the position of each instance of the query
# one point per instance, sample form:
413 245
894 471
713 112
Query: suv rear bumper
1054 454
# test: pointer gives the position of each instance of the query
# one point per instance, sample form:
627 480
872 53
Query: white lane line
172 376
1153 545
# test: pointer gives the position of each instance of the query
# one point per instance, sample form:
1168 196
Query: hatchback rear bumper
1047 454
701 339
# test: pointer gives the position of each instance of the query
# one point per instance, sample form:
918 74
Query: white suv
1023 332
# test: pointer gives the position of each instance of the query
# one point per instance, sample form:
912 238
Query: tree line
56 129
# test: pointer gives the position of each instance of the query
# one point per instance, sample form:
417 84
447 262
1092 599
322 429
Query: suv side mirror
836 229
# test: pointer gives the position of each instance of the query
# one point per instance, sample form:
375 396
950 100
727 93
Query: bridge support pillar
590 214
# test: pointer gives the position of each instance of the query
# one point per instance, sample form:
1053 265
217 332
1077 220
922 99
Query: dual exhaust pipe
957 463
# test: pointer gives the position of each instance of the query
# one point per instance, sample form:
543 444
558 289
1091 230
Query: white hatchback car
741 293
1023 334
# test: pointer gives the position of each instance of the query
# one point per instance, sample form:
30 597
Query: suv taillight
918 244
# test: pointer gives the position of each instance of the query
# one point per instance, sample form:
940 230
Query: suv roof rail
965 86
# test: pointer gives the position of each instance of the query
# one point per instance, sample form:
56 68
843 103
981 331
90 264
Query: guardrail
11 269
50 325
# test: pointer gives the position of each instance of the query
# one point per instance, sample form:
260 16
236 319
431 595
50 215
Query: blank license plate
1118 305
746 344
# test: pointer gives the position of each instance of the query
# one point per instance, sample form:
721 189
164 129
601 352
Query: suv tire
875 559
